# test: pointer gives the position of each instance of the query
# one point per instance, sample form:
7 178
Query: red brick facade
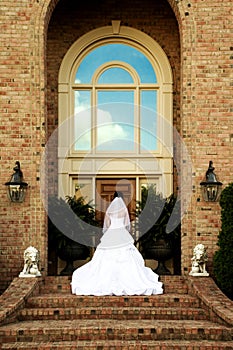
197 38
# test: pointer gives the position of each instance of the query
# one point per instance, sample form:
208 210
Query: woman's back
116 222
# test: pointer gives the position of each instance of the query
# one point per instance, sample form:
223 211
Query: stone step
113 313
95 330
55 319
121 345
68 300
61 284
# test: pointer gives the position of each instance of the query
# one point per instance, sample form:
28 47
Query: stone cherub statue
31 261
199 260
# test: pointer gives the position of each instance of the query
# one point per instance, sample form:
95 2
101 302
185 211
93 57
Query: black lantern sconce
211 187
16 187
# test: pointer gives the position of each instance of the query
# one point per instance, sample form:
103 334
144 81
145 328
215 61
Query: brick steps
70 330
53 318
61 284
68 300
121 345
115 313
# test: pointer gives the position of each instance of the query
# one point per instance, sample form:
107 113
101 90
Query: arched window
110 84
115 110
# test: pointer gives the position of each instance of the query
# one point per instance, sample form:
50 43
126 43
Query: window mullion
94 119
137 119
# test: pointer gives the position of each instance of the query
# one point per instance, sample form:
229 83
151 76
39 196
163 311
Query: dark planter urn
160 251
70 253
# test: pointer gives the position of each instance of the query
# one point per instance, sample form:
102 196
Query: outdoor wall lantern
211 187
16 187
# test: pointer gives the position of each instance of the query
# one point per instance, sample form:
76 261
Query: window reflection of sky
115 76
82 120
115 52
148 120
115 116
115 121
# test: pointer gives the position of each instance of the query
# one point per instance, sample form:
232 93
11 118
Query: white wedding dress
117 267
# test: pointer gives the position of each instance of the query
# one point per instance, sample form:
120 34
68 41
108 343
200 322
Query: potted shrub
159 237
222 260
67 246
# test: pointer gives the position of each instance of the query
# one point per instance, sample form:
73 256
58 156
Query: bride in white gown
117 267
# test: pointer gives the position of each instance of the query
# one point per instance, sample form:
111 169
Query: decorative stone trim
216 303
15 296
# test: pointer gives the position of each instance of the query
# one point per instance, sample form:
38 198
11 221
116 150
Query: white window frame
70 164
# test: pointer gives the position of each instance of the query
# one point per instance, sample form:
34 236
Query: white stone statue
31 261
199 260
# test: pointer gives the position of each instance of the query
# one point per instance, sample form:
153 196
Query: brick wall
206 111
35 35
22 124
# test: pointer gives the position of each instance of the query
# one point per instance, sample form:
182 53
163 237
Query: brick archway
48 17
65 46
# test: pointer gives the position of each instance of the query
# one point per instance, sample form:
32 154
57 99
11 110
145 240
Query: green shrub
223 258
64 226
156 218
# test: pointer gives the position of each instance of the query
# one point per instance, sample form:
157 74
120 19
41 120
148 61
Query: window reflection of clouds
111 136
82 120
115 120
115 128
82 100
113 52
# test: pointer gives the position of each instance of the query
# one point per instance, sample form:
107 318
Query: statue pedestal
22 274
199 274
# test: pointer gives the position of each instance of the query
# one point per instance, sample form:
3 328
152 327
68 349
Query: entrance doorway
105 189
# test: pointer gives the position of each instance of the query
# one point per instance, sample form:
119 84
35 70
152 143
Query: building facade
65 65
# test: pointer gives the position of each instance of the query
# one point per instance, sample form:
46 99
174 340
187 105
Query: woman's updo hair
118 194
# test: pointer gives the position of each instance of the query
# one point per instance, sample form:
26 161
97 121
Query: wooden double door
105 189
